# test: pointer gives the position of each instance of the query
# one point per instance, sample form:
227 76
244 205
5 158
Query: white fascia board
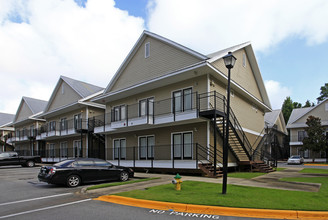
92 104
252 97
92 96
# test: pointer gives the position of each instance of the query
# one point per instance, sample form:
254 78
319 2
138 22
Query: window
17 133
301 135
146 147
78 121
32 131
119 149
147 49
182 100
119 113
77 149
52 126
182 145
244 60
63 89
63 124
51 148
146 107
63 149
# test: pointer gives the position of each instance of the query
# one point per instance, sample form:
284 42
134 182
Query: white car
295 159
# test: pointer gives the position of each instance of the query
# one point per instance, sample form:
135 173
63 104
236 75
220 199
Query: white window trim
119 139
147 49
192 143
146 136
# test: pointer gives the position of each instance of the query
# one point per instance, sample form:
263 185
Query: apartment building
297 124
6 128
26 122
166 108
68 131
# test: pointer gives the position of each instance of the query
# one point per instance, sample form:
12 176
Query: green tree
323 93
316 139
297 105
287 108
308 104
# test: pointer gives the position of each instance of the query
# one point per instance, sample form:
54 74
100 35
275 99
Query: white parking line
28 200
42 209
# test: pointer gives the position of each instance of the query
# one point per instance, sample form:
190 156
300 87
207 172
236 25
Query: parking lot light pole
229 61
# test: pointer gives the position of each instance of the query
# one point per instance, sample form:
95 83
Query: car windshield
295 157
63 163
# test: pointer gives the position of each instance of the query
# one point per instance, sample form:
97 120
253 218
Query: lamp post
229 61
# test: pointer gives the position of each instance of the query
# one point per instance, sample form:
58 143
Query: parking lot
24 197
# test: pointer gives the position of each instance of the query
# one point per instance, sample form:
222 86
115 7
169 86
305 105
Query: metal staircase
238 142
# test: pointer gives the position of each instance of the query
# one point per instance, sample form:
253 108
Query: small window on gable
244 60
326 107
147 49
63 88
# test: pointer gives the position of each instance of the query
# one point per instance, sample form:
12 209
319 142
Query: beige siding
163 139
163 59
243 76
198 84
70 145
24 112
320 111
64 97
247 113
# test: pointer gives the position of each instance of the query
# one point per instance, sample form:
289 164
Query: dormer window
147 49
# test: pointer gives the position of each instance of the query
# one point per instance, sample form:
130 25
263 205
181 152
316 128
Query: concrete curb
318 165
214 210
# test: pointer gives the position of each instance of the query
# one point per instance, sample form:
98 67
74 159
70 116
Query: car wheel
124 176
30 163
73 181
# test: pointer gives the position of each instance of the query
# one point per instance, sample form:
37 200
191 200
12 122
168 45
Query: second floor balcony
63 127
150 112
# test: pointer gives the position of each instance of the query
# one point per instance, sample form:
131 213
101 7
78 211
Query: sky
87 40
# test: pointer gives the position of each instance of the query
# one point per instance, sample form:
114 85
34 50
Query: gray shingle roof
82 88
36 105
297 113
271 117
6 118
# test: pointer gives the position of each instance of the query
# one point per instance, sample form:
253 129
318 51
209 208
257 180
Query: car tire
124 176
30 163
73 181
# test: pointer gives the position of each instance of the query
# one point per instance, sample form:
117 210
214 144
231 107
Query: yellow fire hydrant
177 181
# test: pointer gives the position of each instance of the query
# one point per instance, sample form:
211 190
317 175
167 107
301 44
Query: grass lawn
314 170
119 183
202 193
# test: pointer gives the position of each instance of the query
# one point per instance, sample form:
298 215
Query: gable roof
297 113
35 105
83 89
252 60
205 60
271 119
139 43
6 118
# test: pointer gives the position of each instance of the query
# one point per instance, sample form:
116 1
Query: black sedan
74 172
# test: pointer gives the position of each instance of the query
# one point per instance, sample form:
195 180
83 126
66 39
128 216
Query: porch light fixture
229 61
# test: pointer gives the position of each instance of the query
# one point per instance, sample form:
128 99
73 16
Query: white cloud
60 38
207 25
277 93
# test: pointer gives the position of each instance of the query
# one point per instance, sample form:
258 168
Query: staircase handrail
245 142
208 152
